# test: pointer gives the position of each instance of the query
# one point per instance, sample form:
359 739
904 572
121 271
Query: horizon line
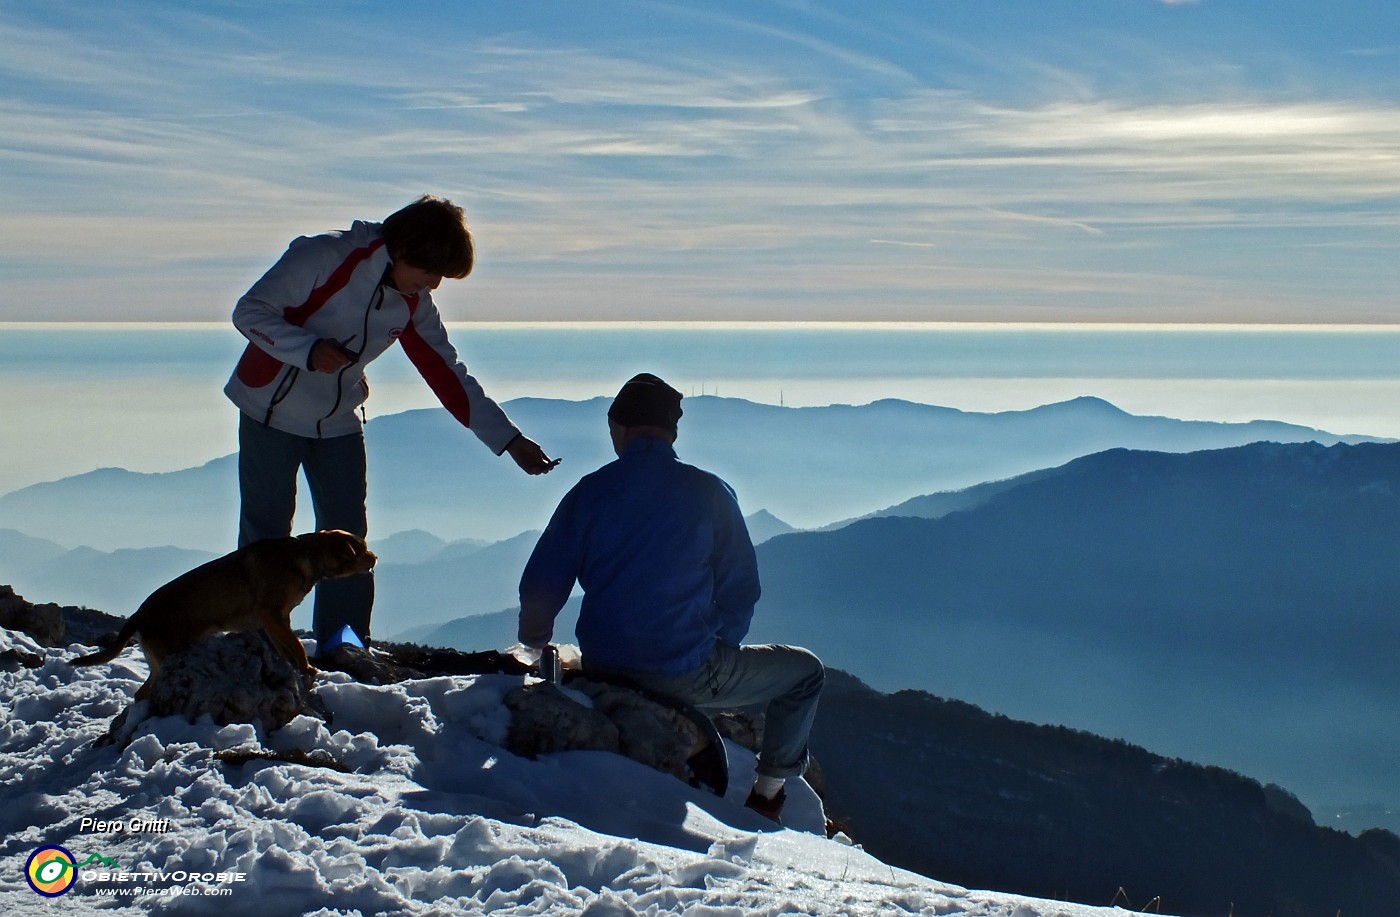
756 325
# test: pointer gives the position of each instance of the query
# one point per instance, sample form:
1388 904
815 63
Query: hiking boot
770 809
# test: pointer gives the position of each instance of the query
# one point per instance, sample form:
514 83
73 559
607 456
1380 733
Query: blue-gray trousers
268 461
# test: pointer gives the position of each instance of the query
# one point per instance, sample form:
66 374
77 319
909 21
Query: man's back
663 556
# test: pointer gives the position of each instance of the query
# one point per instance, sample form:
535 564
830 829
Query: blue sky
944 160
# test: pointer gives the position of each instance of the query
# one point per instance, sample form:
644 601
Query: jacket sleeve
549 575
735 568
261 314
426 343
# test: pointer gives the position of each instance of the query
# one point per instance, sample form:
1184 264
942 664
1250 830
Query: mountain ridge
1255 581
427 472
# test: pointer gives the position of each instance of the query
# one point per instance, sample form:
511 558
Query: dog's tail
124 636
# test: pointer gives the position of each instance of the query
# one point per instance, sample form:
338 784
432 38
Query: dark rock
428 661
369 667
543 720
235 678
741 728
655 734
664 735
42 622
90 627
45 624
12 660
317 757
386 663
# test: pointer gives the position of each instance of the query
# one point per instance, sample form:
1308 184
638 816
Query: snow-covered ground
433 817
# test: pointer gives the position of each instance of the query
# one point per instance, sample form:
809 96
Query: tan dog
256 586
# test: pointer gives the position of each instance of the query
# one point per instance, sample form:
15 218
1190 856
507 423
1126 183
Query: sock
766 786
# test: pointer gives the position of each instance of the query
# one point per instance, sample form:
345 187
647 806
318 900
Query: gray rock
654 734
543 720
546 720
235 678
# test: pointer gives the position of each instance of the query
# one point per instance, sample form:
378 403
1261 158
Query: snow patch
426 814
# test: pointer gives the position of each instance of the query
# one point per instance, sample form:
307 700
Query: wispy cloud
1044 220
680 178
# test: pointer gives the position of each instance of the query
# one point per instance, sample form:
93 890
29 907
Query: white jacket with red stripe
333 286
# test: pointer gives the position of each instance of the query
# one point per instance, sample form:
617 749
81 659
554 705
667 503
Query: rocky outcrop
42 622
595 716
235 678
48 625
54 625
543 720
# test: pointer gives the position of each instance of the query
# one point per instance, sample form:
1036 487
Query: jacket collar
649 444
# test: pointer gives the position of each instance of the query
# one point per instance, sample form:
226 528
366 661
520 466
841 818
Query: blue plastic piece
346 635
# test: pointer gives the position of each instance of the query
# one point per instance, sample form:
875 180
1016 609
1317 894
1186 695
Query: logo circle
51 871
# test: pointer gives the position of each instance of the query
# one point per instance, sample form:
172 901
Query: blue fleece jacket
664 558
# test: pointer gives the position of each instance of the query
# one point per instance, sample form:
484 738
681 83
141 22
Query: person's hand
329 357
529 456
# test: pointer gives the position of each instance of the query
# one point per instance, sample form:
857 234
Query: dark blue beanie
646 401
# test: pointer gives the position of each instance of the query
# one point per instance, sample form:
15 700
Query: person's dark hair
431 233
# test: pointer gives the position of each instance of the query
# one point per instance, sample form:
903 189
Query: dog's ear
349 548
353 551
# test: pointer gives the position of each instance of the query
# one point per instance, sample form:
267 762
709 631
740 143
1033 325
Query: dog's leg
152 651
278 626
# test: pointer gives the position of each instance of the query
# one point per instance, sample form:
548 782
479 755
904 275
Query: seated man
670 580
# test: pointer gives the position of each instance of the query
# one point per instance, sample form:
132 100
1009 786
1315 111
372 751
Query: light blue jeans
268 462
787 678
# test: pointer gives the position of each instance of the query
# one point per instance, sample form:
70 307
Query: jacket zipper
284 388
375 302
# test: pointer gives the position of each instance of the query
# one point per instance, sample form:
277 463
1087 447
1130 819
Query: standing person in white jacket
328 307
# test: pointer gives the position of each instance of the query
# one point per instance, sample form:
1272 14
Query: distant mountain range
1236 607
485 631
422 581
82 576
807 466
